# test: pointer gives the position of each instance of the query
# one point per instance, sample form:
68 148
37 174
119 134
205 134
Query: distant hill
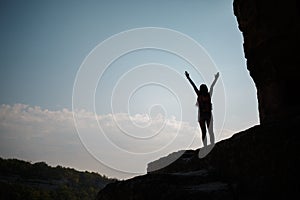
24 180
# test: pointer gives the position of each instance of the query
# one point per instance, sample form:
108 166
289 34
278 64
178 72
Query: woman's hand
187 74
217 75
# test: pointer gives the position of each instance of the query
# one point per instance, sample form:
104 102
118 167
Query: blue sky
44 43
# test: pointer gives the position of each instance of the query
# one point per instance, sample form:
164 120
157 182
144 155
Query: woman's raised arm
213 84
192 83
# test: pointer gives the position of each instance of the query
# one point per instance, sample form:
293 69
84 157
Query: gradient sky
44 43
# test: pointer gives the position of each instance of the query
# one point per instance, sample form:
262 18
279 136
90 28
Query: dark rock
271 39
257 163
169 186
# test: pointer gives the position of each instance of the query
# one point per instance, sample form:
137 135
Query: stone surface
261 162
271 40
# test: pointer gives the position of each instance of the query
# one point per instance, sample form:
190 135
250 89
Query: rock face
271 39
261 162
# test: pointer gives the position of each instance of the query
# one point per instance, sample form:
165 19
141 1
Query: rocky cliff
271 39
261 162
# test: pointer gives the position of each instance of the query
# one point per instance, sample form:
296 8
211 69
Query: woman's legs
210 125
207 122
203 131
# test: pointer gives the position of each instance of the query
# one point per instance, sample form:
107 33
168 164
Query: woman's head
203 89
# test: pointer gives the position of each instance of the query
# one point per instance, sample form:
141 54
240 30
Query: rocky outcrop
271 39
259 163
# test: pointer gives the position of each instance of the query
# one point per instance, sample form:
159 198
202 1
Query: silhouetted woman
204 104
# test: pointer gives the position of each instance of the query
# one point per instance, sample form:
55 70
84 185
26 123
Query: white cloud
33 133
125 143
